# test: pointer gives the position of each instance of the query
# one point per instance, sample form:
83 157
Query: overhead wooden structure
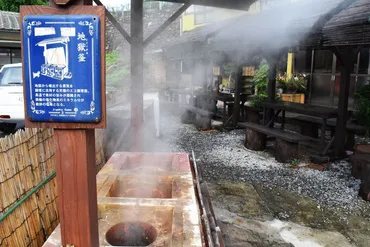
340 25
136 39
351 27
281 27
284 26
227 4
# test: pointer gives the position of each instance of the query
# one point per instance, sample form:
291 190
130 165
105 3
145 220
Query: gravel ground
224 157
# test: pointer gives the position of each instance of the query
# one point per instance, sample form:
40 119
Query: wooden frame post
75 144
76 182
271 88
137 80
238 89
347 56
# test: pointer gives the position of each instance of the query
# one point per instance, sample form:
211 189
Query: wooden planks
76 177
278 133
312 110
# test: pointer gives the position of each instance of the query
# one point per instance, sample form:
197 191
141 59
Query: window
16 56
323 61
303 61
11 76
8 56
4 57
364 66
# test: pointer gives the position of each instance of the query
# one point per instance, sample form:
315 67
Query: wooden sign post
64 88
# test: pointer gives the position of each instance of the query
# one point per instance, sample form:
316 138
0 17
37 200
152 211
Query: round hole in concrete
144 193
131 234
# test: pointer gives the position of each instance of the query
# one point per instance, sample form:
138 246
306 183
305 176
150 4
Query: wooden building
329 39
10 44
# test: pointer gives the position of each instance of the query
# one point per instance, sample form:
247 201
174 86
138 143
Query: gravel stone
223 157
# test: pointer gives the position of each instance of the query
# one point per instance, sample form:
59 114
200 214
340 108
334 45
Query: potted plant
260 80
293 87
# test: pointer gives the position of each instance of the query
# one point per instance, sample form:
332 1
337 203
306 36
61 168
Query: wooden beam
75 164
115 23
65 4
347 57
167 23
238 87
271 87
76 183
137 64
310 83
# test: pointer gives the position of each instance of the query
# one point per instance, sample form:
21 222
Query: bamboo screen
27 159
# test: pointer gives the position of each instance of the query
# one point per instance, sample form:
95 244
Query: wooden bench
200 117
310 125
286 143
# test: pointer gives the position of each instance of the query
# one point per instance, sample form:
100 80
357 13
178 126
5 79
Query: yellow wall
188 22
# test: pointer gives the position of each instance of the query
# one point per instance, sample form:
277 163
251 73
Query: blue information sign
62 68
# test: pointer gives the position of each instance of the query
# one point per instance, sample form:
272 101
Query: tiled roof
350 27
281 26
9 21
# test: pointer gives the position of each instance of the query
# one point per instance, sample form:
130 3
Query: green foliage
117 77
294 163
261 78
13 5
362 102
258 99
111 58
294 84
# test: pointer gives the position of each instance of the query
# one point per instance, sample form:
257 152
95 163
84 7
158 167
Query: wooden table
322 112
225 98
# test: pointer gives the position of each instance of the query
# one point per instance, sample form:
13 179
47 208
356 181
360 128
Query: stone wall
153 18
154 69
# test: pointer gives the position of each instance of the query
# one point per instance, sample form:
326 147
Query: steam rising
188 59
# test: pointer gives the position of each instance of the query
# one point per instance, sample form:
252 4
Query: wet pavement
251 191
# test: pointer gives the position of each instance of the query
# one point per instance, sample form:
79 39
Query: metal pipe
21 201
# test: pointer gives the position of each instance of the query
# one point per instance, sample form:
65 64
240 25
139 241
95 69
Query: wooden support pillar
310 82
271 88
76 175
238 90
347 57
137 81
76 182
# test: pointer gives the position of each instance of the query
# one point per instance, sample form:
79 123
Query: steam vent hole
131 234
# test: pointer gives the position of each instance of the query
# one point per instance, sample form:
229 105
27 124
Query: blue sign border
90 110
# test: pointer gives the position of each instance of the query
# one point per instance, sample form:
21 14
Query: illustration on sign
62 68
56 59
